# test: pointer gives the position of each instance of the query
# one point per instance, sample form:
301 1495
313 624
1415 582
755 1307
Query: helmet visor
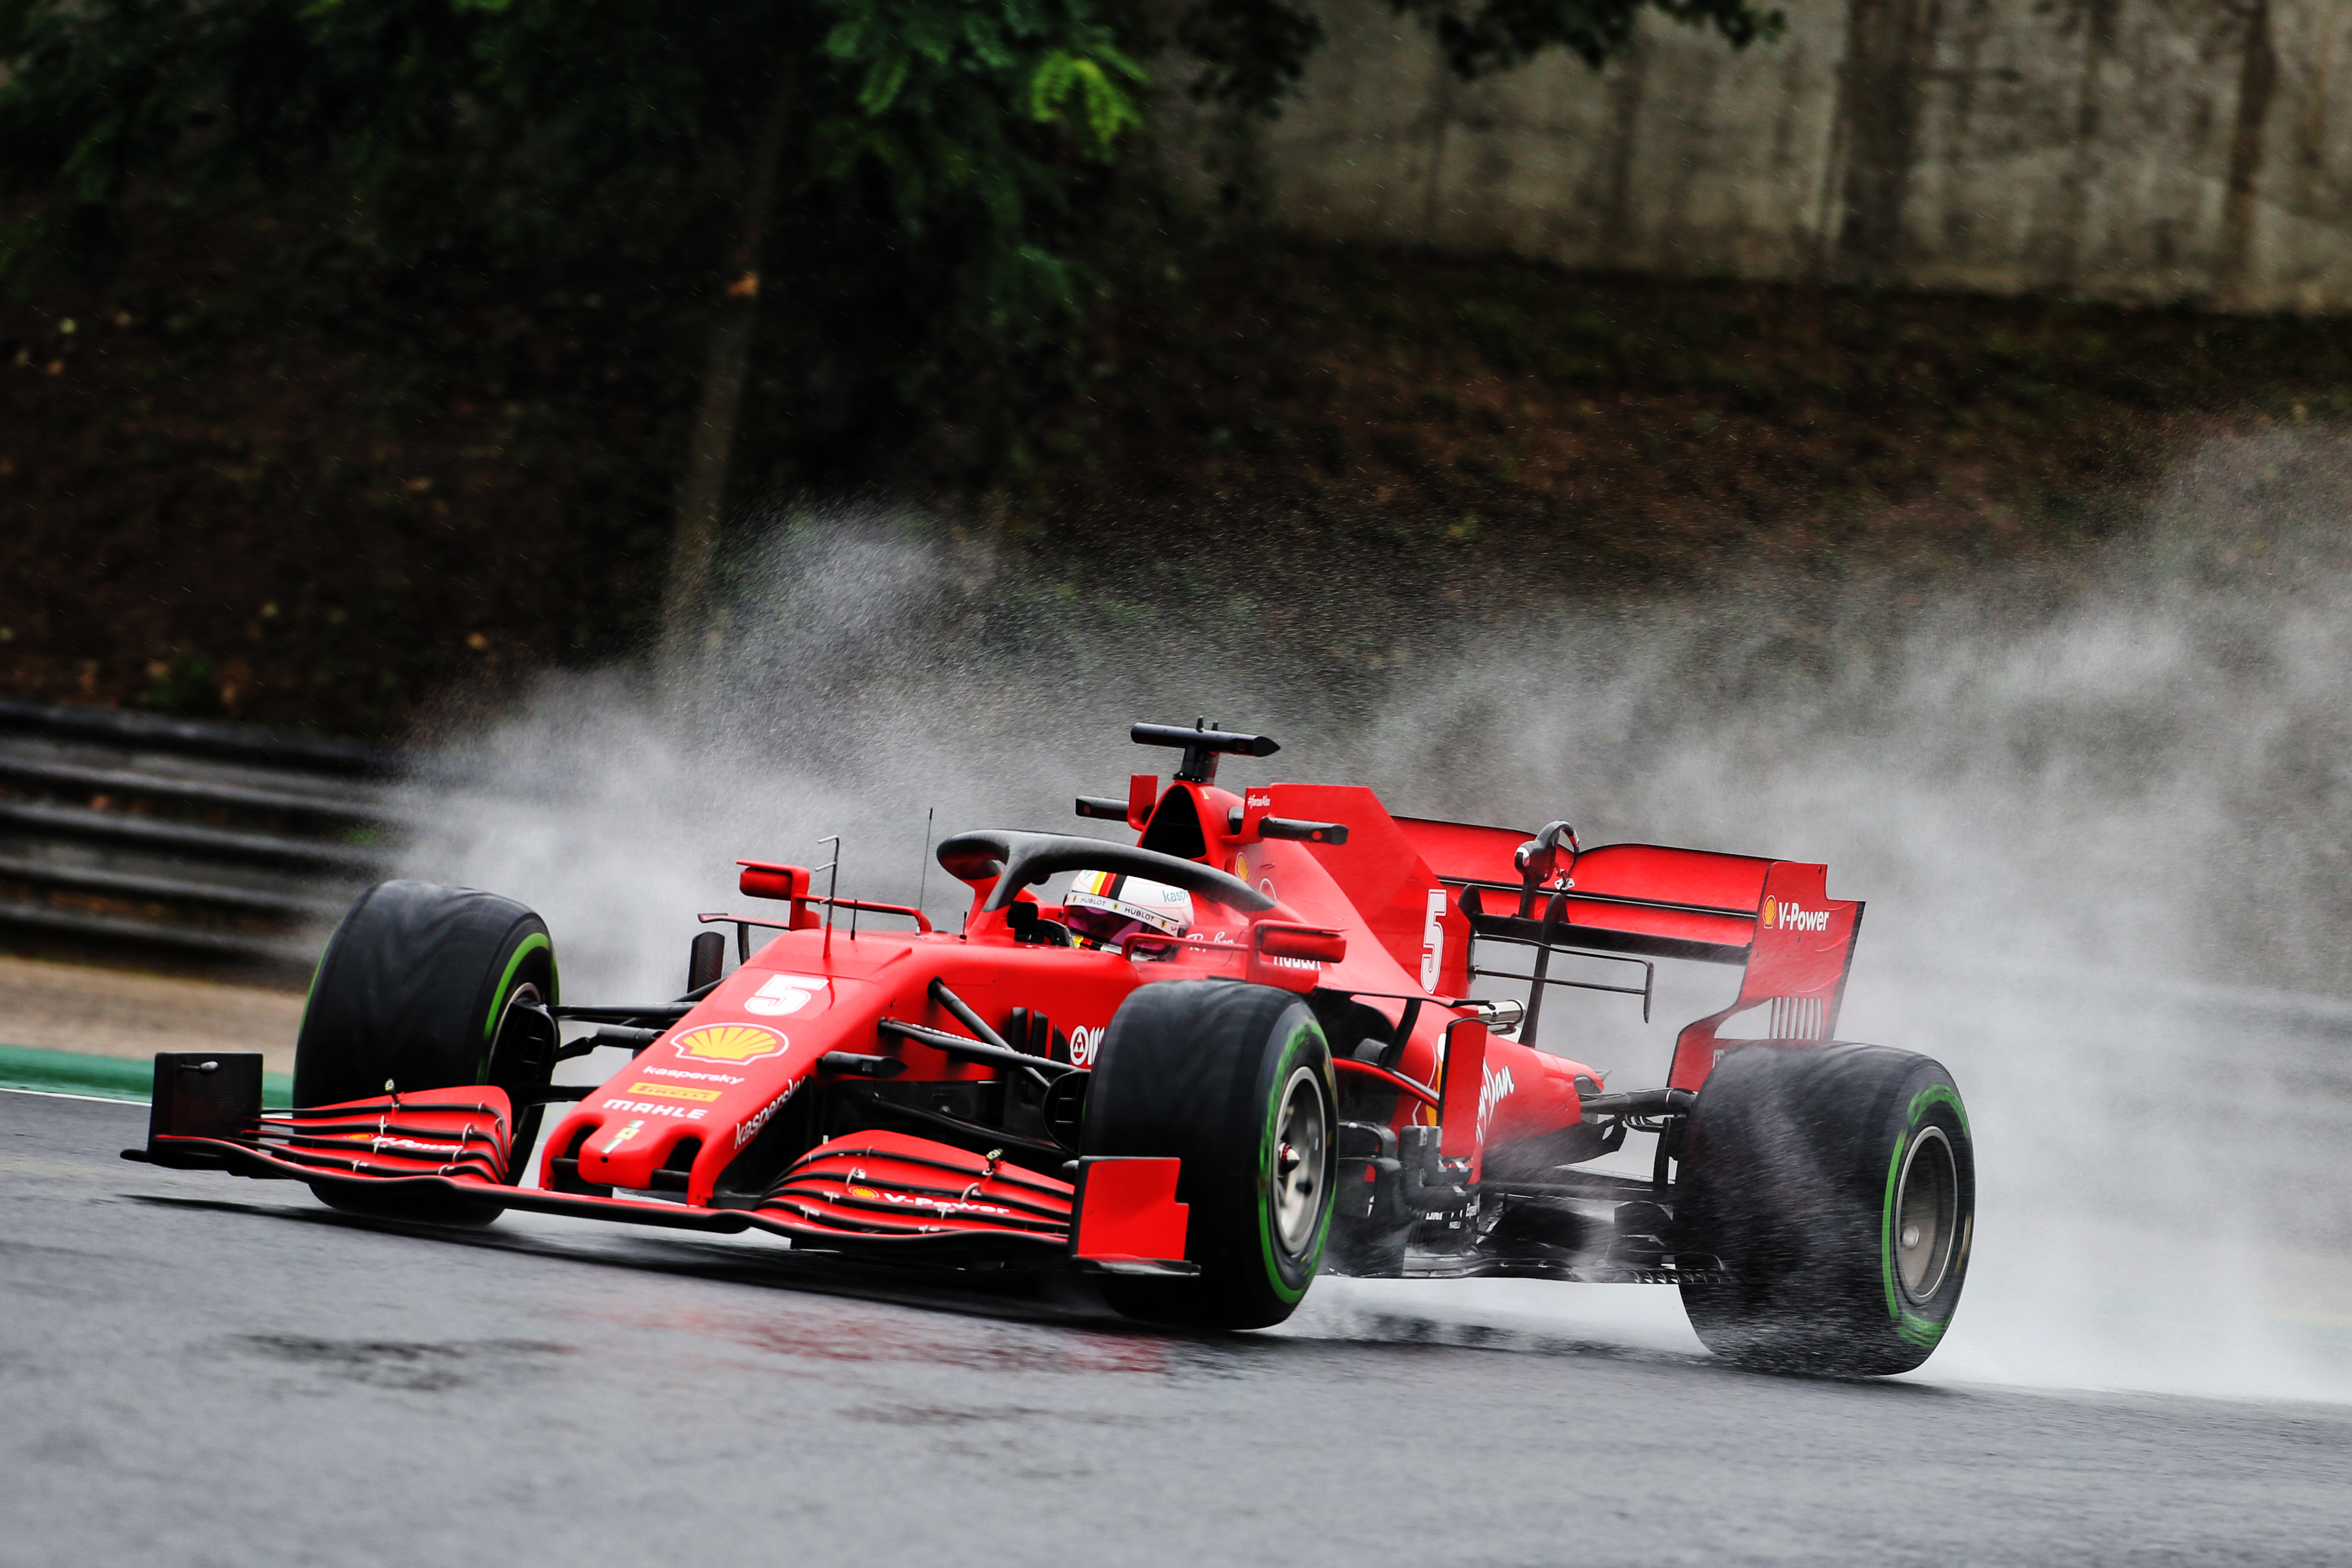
1106 908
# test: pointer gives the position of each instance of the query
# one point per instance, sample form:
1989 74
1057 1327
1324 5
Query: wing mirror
1314 942
762 880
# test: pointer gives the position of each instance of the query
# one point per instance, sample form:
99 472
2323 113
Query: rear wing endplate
1773 918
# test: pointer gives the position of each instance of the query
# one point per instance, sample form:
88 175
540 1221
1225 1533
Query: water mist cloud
2103 818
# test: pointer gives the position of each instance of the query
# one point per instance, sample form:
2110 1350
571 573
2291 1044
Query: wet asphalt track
203 1369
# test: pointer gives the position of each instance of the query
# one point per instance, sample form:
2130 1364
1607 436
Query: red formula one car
1245 1050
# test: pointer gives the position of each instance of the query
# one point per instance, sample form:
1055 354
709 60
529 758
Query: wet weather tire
1836 1184
1235 1082
414 990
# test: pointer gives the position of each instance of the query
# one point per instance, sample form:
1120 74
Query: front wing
873 1194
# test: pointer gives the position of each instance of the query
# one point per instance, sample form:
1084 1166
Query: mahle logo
1779 915
730 1043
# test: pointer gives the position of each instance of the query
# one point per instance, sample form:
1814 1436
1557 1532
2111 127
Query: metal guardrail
204 839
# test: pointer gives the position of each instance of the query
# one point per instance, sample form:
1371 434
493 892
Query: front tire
1236 1082
1836 1184
415 990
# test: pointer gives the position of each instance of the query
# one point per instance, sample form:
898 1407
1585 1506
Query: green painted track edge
109 1078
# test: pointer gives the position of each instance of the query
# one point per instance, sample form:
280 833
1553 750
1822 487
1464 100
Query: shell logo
1787 914
730 1043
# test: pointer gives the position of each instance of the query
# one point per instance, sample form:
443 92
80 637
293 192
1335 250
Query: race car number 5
783 995
1433 940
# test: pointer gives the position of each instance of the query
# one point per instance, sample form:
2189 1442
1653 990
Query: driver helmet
1104 908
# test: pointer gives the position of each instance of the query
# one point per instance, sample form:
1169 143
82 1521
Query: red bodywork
666 1138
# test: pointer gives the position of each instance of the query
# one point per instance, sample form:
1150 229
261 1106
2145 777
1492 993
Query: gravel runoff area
52 1006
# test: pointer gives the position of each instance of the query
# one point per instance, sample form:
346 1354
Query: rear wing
1773 918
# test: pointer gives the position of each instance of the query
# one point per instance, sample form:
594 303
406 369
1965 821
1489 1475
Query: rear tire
411 991
1236 1081
1837 1185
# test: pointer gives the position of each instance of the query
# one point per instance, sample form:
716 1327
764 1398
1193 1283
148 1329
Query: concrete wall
2145 150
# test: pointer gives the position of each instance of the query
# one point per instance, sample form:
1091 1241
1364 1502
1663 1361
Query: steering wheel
1019 861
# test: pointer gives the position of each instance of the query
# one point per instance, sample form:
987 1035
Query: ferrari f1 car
1262 1043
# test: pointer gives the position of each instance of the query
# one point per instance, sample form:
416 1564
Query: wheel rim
1299 1138
1927 1215
497 1062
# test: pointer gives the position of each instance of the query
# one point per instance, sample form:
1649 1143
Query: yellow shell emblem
730 1043
1772 913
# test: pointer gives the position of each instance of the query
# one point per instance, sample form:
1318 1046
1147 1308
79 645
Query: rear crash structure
1321 1073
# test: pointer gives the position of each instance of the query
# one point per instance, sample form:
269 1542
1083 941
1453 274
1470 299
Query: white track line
57 1094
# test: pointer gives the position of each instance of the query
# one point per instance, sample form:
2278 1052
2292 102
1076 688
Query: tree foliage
1499 33
518 119
932 210
1253 52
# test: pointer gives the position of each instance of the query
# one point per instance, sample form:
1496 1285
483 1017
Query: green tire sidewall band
1910 1326
536 941
1286 1063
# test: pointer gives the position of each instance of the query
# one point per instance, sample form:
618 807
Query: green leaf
883 81
1074 88
986 41
854 38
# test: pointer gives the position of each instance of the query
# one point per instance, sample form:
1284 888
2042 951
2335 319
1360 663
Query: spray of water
2102 818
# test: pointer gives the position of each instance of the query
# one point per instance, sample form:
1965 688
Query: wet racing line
205 1370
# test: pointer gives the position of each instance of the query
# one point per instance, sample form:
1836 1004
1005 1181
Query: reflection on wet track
201 1370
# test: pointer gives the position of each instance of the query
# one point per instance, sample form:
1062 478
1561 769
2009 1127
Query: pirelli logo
675 1091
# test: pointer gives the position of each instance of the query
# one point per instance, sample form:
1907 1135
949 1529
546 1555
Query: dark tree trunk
1890 48
702 489
2234 283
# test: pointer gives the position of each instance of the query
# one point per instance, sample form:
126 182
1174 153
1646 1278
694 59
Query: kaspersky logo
1782 915
730 1043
